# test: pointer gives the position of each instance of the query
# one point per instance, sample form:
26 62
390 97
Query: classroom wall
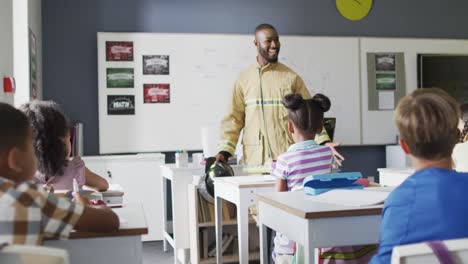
6 46
21 51
69 39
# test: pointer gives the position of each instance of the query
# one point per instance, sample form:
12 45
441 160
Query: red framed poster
119 51
156 93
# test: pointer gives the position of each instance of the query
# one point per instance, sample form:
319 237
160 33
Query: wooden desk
123 246
240 191
313 224
175 181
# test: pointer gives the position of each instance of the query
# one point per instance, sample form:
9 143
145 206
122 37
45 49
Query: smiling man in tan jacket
256 108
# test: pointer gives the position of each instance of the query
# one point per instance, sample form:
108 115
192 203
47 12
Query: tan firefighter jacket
256 109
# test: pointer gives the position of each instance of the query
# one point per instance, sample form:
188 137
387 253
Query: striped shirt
301 160
28 214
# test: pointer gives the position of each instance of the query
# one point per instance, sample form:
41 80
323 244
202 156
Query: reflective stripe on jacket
264 122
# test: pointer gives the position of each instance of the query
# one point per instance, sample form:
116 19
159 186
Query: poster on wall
120 78
385 81
156 93
385 62
156 64
119 51
32 66
385 72
120 104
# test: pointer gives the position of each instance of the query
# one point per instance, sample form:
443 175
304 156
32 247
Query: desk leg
263 243
219 228
164 200
309 249
243 230
175 221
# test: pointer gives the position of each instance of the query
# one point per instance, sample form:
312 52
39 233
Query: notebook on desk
359 198
114 195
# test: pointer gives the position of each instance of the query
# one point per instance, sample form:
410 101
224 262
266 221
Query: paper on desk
359 198
122 220
251 179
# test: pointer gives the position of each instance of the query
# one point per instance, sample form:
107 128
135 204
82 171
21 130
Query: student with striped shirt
304 158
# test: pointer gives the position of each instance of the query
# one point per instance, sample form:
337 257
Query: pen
76 187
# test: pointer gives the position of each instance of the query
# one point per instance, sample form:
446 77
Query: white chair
423 253
25 254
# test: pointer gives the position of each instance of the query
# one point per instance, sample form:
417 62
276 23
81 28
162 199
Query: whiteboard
203 68
378 127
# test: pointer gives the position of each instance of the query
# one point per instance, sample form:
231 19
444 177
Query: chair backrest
423 253
25 254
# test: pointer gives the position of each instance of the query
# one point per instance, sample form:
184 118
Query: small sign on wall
156 93
120 77
120 104
119 51
156 64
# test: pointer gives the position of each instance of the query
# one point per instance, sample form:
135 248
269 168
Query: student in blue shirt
432 203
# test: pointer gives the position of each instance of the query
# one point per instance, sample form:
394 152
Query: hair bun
322 101
293 101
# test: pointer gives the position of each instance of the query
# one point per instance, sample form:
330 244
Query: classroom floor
153 253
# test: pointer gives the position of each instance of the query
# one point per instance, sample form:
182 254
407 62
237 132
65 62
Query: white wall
6 46
21 51
26 16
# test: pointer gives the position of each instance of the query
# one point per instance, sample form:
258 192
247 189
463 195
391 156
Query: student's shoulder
403 194
322 150
76 162
26 193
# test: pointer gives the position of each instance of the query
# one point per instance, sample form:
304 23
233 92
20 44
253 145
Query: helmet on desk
213 169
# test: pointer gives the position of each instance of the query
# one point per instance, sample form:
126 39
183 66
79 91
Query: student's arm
281 185
280 172
97 219
95 181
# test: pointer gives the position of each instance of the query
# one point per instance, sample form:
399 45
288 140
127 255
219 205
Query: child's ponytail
307 114
293 101
322 101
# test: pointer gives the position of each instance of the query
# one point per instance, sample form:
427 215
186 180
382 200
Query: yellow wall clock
354 9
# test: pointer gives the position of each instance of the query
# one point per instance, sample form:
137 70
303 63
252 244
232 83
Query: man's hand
338 157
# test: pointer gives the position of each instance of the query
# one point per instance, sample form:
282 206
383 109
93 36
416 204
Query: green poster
120 78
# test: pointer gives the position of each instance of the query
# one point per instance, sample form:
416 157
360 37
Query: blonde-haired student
431 203
27 212
460 152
